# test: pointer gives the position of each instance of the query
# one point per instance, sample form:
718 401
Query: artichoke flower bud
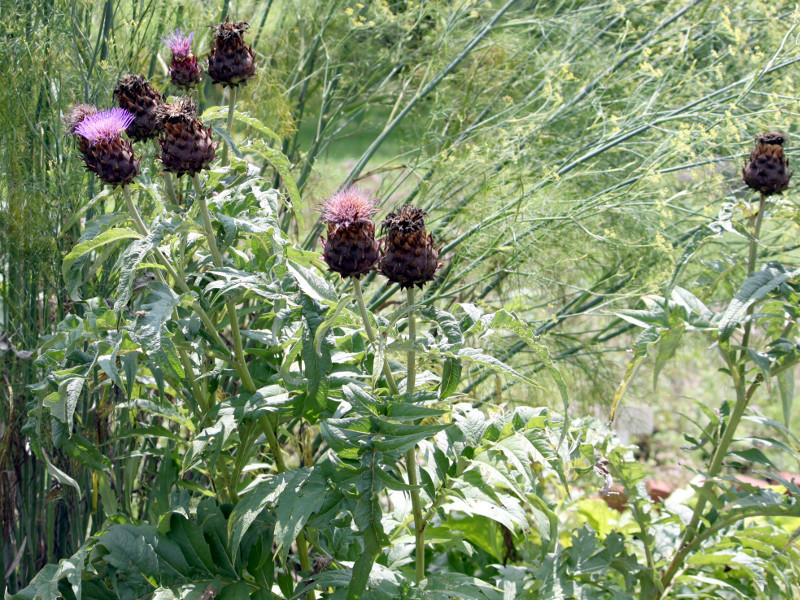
184 71
135 94
186 145
231 62
104 150
767 172
351 249
410 256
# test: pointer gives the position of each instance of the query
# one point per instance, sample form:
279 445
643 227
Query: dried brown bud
767 172
135 94
231 62
410 258
76 116
186 145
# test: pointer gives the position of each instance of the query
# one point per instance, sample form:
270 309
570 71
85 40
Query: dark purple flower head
180 45
348 206
105 125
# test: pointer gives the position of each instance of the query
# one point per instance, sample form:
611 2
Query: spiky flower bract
351 249
186 145
103 149
135 94
76 116
184 71
767 171
231 62
410 258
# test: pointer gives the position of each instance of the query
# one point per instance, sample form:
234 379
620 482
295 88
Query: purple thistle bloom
180 45
348 206
105 125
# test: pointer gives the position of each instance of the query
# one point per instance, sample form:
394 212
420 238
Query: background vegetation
568 153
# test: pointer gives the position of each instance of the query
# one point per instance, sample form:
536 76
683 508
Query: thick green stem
743 396
200 395
167 177
751 267
411 455
737 370
241 365
362 307
411 363
231 110
142 228
173 197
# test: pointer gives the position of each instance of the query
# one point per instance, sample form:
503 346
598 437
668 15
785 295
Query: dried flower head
351 249
78 113
186 145
767 171
183 110
410 257
103 149
231 62
135 94
179 45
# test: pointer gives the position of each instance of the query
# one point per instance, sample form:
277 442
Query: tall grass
568 148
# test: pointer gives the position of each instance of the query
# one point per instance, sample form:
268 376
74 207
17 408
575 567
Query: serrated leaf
282 165
755 287
451 376
669 344
398 438
263 495
303 495
63 402
317 367
494 364
330 318
150 330
313 285
129 262
107 237
363 402
448 324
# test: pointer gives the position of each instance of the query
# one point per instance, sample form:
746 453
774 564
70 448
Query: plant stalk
241 365
167 177
411 455
231 111
751 267
743 396
142 229
362 307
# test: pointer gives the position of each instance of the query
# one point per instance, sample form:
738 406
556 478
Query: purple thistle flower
105 125
348 206
180 45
